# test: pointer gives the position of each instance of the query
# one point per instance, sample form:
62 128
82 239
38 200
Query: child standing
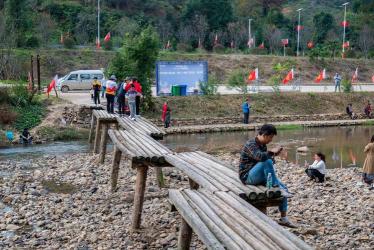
131 97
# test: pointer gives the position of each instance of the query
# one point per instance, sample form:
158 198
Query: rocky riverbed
65 202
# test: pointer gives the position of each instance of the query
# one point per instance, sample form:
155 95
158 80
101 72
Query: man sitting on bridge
257 163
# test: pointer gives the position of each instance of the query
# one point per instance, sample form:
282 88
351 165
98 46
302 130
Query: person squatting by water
25 137
317 170
111 87
350 113
96 87
368 168
257 163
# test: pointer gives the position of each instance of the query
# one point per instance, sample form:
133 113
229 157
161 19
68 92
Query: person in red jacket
164 109
138 88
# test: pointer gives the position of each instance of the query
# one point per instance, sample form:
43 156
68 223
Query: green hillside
42 23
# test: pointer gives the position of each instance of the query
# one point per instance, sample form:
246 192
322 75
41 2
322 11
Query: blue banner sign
188 73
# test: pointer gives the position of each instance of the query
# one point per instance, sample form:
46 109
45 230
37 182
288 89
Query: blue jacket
246 107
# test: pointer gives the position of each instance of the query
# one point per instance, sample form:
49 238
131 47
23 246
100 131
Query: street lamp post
249 33
344 24
298 32
98 23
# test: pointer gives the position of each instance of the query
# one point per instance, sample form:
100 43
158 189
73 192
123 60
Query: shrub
29 116
219 48
5 95
7 116
347 86
210 87
237 79
69 42
32 42
184 47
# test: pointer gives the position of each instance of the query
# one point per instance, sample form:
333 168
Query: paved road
83 97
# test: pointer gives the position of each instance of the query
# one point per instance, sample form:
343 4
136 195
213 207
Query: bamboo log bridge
143 152
225 221
141 125
207 172
100 122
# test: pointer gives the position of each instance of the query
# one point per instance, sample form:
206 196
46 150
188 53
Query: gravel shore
65 202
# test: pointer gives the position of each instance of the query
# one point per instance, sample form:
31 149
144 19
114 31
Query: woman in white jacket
317 170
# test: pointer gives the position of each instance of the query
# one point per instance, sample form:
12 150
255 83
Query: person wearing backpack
246 107
111 87
121 97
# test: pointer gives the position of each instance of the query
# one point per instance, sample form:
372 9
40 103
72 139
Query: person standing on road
246 107
121 97
111 87
96 86
138 88
337 79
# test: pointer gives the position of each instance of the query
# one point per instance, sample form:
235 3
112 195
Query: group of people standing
118 91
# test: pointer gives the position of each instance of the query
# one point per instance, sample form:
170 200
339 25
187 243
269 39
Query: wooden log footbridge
223 212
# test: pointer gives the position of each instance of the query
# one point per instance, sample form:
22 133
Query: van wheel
64 89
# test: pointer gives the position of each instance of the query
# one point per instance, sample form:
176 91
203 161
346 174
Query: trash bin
175 90
183 90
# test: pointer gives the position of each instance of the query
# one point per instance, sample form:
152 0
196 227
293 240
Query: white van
80 79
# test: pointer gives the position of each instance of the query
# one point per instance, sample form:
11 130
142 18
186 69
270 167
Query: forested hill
42 23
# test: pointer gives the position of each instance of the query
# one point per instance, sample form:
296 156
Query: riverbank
52 202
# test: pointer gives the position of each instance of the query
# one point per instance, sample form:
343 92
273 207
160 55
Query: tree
137 57
323 23
217 12
366 40
16 20
85 28
273 36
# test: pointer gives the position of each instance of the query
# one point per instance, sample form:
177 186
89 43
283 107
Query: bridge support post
141 177
103 142
185 235
115 168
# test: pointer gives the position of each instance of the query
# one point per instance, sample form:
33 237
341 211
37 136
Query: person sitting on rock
368 111
368 168
317 170
350 112
25 137
257 163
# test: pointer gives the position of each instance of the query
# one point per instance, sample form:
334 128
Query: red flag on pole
321 76
216 40
107 37
355 76
346 44
289 77
372 78
168 46
299 27
52 85
98 43
310 45
344 24
261 46
253 75
284 42
250 42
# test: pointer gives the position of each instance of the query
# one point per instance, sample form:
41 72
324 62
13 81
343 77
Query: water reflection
343 146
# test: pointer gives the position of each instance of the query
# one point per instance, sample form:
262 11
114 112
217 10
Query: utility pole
249 33
38 71
98 23
32 72
298 32
344 24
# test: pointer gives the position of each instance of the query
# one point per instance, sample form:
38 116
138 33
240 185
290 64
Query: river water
343 146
